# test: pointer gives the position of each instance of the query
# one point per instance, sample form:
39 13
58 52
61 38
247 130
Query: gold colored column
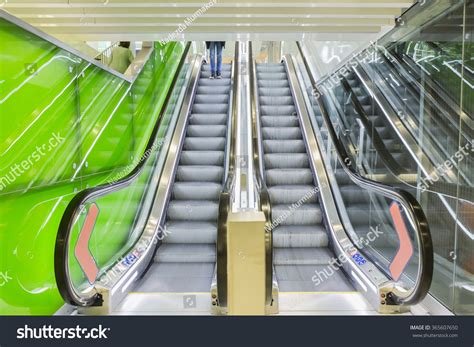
246 263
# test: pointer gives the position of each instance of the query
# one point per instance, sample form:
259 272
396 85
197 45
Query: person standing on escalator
215 48
121 57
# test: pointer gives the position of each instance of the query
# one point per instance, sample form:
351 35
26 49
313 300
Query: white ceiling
227 19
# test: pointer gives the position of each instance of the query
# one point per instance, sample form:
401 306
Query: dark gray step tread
186 253
300 236
302 256
190 232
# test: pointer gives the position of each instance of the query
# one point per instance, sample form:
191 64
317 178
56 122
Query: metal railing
106 54
226 196
264 203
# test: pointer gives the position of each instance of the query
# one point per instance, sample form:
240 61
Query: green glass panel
65 125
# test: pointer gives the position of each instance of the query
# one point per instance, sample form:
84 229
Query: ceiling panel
152 20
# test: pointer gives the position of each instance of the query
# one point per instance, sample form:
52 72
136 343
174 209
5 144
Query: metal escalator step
200 174
186 253
360 215
270 76
274 92
218 89
302 256
376 121
292 133
384 132
353 82
284 146
276 100
368 109
266 110
208 119
273 83
196 191
299 278
190 232
286 161
216 82
307 194
212 108
300 236
193 157
204 144
342 177
193 210
352 194
288 177
212 99
206 131
306 214
271 68
278 121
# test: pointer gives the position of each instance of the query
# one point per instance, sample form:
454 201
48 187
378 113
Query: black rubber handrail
432 99
451 103
407 200
74 207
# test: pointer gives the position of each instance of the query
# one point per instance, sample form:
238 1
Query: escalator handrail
413 90
445 99
225 198
411 205
379 145
444 188
434 86
74 207
262 190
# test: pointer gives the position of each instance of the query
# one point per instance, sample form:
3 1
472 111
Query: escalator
405 113
323 210
428 143
300 240
171 246
185 262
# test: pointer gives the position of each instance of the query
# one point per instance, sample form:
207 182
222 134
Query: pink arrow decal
82 252
405 250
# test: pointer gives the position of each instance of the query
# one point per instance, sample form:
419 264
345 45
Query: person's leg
219 58
213 60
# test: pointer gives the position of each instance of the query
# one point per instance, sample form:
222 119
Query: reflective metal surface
264 203
219 291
